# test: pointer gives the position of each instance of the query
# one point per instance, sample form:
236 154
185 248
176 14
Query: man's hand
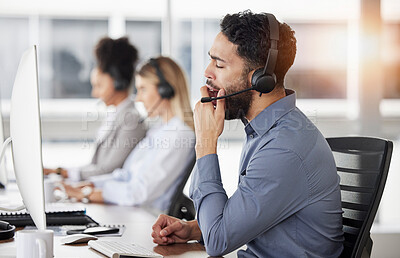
208 123
169 230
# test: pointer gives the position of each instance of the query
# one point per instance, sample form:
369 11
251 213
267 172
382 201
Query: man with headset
287 203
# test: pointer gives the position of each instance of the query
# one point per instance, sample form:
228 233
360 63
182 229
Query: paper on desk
120 232
62 230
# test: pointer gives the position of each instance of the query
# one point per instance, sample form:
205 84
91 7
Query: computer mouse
77 239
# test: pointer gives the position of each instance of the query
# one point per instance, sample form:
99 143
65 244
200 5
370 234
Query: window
182 46
145 36
13 43
319 70
391 60
66 55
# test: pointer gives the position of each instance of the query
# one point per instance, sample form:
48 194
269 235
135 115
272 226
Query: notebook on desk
56 215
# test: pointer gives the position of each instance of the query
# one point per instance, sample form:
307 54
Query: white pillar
353 57
198 65
166 31
371 81
116 25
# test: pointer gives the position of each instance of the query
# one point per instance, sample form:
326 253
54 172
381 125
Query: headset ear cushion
118 85
165 90
256 75
121 84
263 83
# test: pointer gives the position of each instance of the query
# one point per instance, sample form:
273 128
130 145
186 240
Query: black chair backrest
362 164
181 206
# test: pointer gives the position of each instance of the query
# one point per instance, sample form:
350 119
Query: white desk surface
138 223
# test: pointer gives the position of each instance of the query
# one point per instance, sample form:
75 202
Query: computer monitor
25 134
3 170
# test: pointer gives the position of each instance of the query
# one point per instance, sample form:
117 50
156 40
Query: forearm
195 230
59 171
205 146
210 199
105 166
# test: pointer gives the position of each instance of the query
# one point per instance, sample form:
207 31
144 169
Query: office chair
363 165
182 206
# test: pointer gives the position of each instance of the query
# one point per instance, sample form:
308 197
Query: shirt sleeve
74 174
99 181
272 188
154 175
112 153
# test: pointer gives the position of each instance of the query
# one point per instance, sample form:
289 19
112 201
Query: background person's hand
58 171
48 171
169 230
74 193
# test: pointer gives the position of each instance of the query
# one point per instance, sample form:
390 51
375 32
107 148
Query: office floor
386 233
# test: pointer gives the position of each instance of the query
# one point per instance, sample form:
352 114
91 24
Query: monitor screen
25 133
3 170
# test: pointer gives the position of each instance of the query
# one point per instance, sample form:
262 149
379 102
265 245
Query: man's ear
249 75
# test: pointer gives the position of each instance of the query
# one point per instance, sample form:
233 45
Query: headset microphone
141 120
209 99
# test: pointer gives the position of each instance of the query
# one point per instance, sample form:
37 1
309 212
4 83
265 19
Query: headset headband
273 50
153 62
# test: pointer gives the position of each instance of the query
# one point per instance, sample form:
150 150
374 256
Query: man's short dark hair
116 54
250 33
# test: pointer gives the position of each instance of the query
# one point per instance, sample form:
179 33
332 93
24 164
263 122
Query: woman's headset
164 88
119 82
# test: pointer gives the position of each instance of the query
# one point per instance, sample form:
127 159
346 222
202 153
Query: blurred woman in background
154 169
111 80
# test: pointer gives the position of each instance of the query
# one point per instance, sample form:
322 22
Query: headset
164 88
263 80
6 230
120 83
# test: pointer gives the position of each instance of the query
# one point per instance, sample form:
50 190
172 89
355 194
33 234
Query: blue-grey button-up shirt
287 203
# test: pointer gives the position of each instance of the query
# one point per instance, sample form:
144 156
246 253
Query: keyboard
116 249
52 219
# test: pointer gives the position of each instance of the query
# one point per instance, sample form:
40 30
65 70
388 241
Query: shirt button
251 136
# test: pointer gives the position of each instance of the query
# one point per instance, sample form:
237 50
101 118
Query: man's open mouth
213 93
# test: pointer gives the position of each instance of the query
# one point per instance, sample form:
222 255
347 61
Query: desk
138 222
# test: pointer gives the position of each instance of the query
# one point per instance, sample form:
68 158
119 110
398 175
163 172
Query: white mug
34 243
50 185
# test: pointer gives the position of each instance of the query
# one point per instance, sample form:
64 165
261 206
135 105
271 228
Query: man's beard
236 107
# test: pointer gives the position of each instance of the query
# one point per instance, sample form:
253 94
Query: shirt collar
268 117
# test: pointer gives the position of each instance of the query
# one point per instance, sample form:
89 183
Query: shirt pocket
242 175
